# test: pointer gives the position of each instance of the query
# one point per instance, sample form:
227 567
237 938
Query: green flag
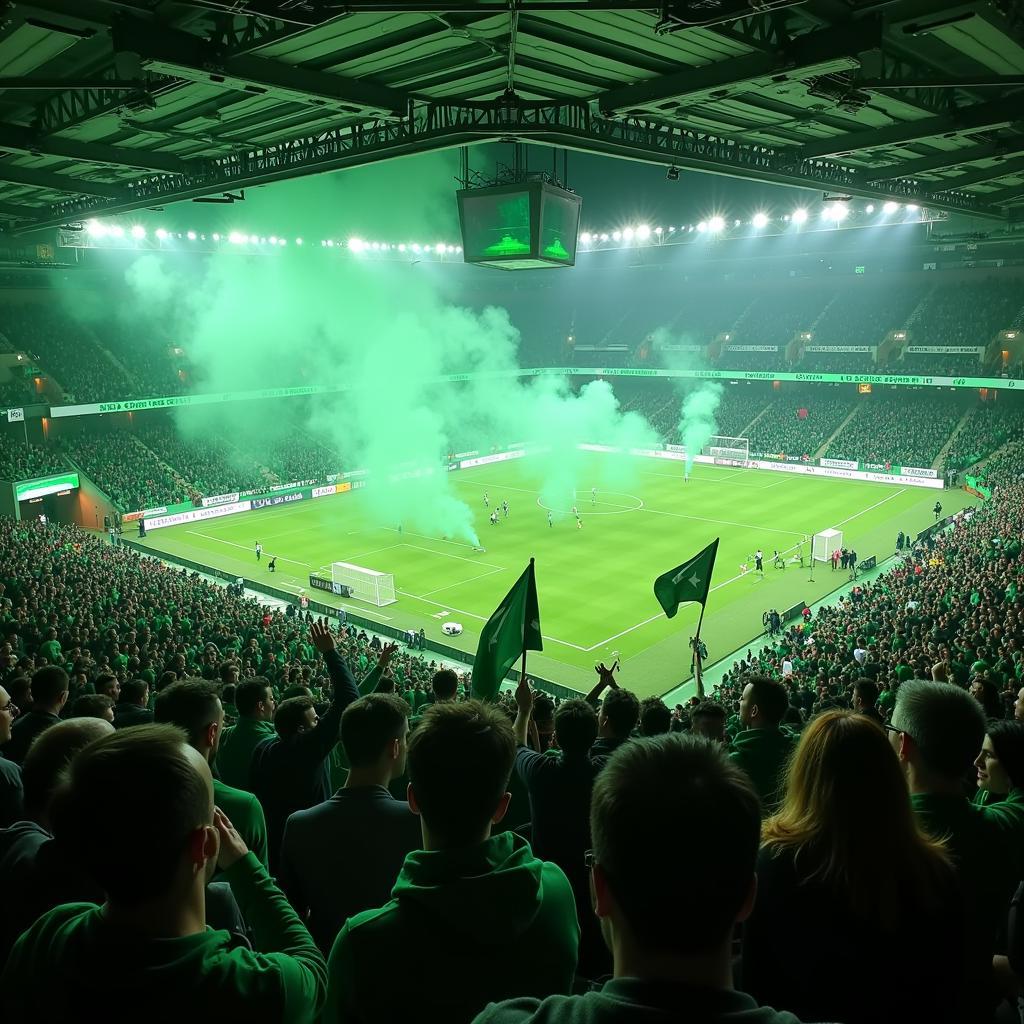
513 628
690 581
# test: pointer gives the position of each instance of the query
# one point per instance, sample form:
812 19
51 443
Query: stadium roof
118 105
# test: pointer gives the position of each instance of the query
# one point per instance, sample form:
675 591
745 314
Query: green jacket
60 969
625 1000
246 814
987 846
234 756
507 919
764 754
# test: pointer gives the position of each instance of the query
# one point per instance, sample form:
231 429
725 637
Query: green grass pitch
595 583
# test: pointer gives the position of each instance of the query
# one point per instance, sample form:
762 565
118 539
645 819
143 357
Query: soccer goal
728 451
365 584
825 543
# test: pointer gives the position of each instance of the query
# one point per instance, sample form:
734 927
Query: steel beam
59 182
998 114
807 55
442 125
184 55
975 177
17 139
940 160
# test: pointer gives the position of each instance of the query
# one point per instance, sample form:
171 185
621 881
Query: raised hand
321 636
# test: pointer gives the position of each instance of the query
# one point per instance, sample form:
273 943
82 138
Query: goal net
365 584
728 451
825 543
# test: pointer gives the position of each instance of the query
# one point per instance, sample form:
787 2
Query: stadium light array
760 220
138 231
799 216
890 207
717 224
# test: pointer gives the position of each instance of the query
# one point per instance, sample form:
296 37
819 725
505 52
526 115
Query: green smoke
697 419
378 333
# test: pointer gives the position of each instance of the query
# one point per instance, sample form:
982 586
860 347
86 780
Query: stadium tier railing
331 611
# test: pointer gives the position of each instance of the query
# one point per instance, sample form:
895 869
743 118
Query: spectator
762 748
655 717
133 706
366 830
865 700
845 838
194 707
986 693
1001 761
11 793
37 873
109 685
290 771
559 790
617 715
137 812
93 705
937 730
49 692
510 916
708 719
705 826
254 700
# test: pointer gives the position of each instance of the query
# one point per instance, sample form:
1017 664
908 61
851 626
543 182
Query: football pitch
594 583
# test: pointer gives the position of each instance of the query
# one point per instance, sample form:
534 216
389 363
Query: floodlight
439 248
237 238
799 216
356 245
912 208
401 246
138 231
273 239
116 231
585 237
716 224
458 248
760 220
627 234
415 246
657 231
604 237
890 207
216 236
617 236
191 236
330 243
870 208
835 212
298 241
95 229
161 234
643 232
736 223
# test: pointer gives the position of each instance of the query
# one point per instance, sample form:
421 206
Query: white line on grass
646 622
461 583
447 554
244 547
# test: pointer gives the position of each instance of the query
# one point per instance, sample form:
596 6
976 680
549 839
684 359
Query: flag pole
696 656
522 668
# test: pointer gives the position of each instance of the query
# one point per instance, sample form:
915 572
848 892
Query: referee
759 561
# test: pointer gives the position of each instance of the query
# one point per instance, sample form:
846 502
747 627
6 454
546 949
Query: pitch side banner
864 349
951 350
197 515
838 463
893 380
220 499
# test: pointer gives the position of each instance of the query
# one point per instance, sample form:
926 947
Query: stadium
466 467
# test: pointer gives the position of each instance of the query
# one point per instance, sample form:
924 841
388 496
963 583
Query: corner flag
690 581
513 629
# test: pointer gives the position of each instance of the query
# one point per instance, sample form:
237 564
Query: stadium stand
878 432
21 461
781 430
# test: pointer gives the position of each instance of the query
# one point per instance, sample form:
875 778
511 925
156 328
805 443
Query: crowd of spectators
15 393
903 427
20 460
224 749
782 430
210 464
989 427
865 311
968 312
127 471
300 456
67 350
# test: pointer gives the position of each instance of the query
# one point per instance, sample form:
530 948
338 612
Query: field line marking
871 508
447 554
451 586
244 547
425 536
483 618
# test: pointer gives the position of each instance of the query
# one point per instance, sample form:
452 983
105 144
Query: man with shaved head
135 810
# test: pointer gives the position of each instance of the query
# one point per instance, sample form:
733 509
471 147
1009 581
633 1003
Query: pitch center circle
586 509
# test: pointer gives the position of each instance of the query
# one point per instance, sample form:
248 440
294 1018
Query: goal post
728 451
365 584
824 543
